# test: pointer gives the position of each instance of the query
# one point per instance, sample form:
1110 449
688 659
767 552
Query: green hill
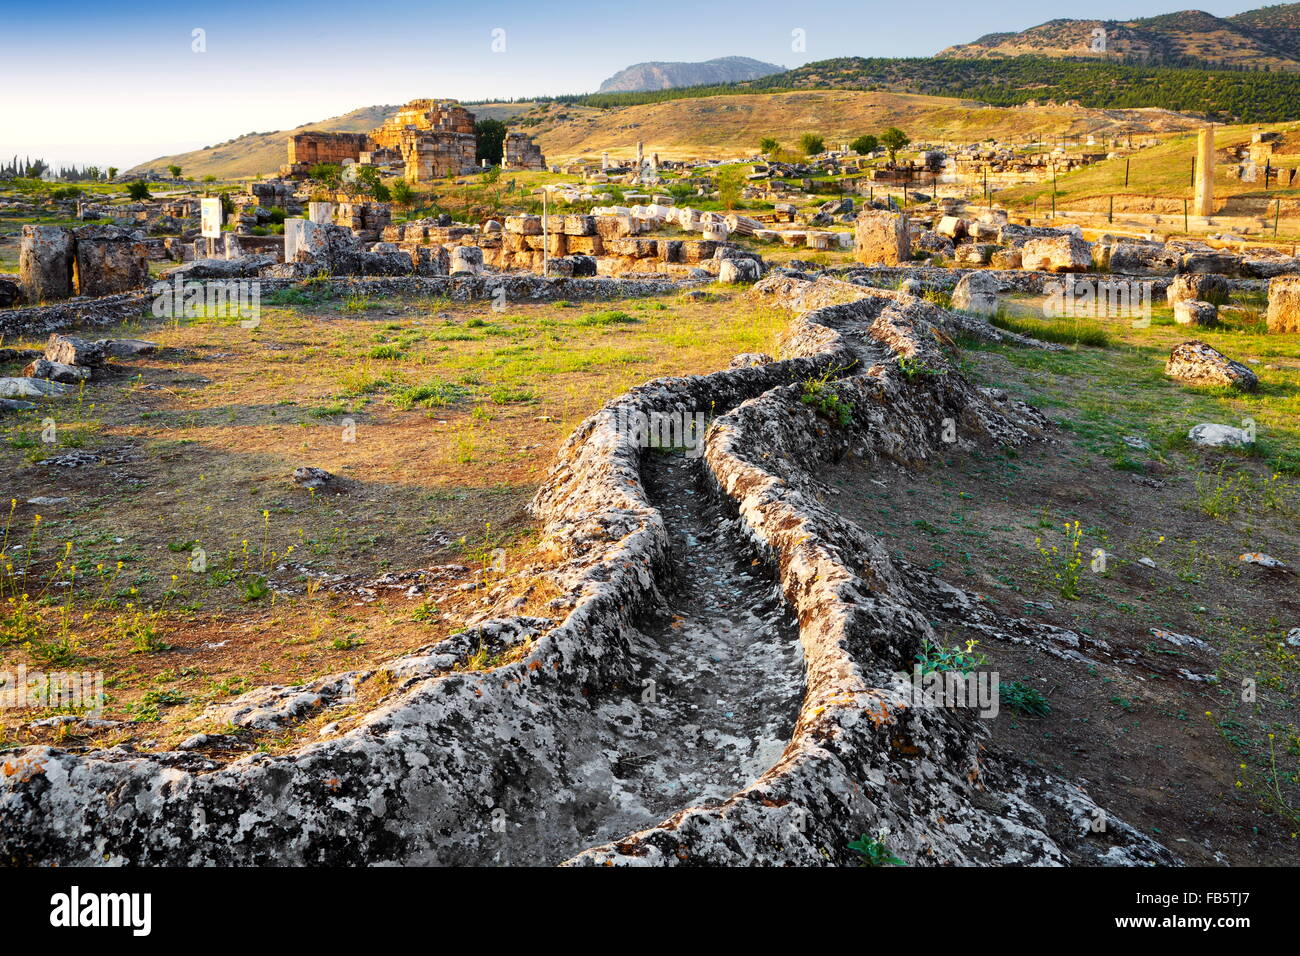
1223 95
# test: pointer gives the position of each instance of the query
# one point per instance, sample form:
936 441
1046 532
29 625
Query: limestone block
1284 304
1194 312
45 263
466 259
1196 363
1057 254
882 238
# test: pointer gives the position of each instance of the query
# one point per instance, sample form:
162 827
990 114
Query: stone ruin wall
308 149
522 153
434 137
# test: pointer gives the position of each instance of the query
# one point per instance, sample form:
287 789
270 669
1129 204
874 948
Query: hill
664 76
259 153
1256 40
731 125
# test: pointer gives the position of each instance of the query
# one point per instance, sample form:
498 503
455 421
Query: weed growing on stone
937 658
873 851
826 399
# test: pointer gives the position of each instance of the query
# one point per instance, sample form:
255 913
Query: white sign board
210 210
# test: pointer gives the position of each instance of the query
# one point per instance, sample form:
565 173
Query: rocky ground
706 660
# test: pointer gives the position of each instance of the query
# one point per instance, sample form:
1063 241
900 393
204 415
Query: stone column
45 263
604 161
1204 198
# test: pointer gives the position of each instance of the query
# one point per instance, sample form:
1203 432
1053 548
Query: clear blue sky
118 83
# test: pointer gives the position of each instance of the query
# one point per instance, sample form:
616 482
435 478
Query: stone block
45 260
1284 304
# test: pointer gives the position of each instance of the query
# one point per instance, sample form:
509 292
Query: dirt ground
1209 767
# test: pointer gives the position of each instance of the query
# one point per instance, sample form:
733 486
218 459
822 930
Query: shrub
811 144
1027 700
731 180
138 190
865 145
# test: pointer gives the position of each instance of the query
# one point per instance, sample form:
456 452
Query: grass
1120 389
607 317
1161 170
1063 331
438 418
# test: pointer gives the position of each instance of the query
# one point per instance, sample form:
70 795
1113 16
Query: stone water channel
721 676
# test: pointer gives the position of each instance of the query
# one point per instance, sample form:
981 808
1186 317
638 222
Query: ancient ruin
856 465
424 140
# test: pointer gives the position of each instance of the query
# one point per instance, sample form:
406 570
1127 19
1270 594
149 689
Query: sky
118 83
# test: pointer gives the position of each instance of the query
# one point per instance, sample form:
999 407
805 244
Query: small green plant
936 657
873 851
255 588
913 367
426 611
1065 566
1221 496
1024 699
142 631
826 399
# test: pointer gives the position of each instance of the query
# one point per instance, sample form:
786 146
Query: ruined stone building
308 149
427 139
434 138
522 153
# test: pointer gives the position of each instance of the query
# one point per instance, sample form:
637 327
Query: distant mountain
1264 39
666 76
